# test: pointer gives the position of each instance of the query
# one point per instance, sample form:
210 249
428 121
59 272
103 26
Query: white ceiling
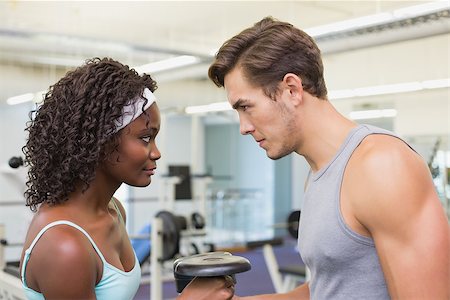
66 28
53 34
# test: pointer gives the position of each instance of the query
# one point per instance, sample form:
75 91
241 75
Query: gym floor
256 281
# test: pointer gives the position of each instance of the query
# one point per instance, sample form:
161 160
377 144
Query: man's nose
245 126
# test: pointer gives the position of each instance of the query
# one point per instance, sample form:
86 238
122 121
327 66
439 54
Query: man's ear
293 86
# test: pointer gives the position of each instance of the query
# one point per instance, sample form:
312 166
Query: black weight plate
211 264
170 234
292 221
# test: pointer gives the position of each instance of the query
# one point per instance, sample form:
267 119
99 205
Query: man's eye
244 107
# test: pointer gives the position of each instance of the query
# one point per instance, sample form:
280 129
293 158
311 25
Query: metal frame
10 286
282 284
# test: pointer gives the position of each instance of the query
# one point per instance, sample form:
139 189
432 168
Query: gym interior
386 63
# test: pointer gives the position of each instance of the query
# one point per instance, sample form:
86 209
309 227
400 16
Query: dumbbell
210 264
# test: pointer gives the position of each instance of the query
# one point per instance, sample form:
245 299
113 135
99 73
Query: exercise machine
10 284
160 242
285 278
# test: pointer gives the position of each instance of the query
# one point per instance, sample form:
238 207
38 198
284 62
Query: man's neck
324 133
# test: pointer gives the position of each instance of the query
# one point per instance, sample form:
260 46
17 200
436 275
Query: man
372 226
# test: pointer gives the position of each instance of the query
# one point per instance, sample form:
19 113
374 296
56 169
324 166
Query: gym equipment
142 244
172 226
164 228
11 287
15 162
292 275
5 242
10 284
171 234
211 264
197 220
434 170
293 221
285 278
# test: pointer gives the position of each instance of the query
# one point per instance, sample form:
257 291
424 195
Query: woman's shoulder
60 251
57 231
52 229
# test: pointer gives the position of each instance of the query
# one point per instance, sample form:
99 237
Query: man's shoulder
383 151
386 177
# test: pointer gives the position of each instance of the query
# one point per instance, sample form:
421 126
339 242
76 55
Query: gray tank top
343 263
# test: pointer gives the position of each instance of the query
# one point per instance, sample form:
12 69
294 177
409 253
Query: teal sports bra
115 283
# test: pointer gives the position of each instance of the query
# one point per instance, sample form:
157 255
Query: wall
414 60
12 181
282 196
244 202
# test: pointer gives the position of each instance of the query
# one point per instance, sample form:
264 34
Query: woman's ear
294 87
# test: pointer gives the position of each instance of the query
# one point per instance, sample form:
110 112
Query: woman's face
134 162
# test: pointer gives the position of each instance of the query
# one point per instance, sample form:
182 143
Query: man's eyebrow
239 103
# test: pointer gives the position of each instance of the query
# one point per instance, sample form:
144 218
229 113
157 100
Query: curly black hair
70 132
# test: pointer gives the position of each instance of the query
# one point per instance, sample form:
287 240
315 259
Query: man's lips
260 142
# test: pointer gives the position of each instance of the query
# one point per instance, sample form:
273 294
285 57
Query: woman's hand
211 288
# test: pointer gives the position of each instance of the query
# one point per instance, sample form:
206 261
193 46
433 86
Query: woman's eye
146 139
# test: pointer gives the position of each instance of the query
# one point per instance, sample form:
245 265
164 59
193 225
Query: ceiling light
436 84
404 87
20 99
378 19
374 20
341 94
167 64
370 20
373 114
213 107
421 9
39 96
388 89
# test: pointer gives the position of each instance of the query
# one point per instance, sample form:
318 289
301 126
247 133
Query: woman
95 130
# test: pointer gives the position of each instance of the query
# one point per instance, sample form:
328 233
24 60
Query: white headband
135 109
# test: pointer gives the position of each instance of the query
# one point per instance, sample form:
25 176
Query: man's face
270 122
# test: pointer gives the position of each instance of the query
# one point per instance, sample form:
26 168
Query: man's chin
273 157
276 156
